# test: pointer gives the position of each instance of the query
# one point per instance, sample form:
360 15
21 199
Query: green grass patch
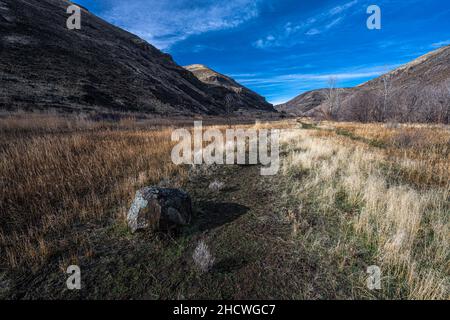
371 142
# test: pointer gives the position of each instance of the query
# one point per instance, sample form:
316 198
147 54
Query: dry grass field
348 196
56 173
390 191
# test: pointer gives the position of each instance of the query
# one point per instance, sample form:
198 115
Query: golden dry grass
58 172
51 182
407 226
386 190
421 152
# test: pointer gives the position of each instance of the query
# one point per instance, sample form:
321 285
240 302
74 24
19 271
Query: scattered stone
162 208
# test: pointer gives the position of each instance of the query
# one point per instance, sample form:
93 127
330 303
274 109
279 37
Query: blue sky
283 48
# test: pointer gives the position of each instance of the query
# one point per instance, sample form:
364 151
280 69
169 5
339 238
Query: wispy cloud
283 87
333 23
164 23
313 32
319 78
291 33
342 8
441 44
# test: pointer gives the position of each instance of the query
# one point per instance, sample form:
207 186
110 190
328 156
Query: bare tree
333 99
386 94
447 101
359 107
433 104
409 105
229 99
442 102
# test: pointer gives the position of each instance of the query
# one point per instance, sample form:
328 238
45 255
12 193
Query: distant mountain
43 65
432 68
307 102
417 91
240 97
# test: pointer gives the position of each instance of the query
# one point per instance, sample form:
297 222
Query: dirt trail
248 232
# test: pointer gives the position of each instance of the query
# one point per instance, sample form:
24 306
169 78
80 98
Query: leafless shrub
428 104
392 125
202 257
363 106
408 139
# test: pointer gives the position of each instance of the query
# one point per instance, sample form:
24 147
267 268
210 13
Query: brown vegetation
389 192
83 171
60 171
349 196
429 104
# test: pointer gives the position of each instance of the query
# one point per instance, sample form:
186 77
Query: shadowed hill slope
239 96
303 103
415 92
418 91
43 66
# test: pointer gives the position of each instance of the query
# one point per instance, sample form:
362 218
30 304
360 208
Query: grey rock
163 208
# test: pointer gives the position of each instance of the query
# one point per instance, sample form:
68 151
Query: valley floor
347 197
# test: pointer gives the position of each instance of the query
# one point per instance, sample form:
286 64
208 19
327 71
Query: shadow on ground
211 215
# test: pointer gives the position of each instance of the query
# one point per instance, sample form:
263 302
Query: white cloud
338 76
291 34
321 78
277 101
313 32
164 23
283 87
343 7
333 23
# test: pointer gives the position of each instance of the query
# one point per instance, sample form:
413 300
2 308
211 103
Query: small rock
155 207
216 185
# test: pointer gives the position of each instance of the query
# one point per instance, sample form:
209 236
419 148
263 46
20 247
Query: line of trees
389 103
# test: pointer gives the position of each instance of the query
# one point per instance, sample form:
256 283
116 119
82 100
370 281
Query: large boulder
159 208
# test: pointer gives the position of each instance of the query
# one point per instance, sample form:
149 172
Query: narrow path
246 227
